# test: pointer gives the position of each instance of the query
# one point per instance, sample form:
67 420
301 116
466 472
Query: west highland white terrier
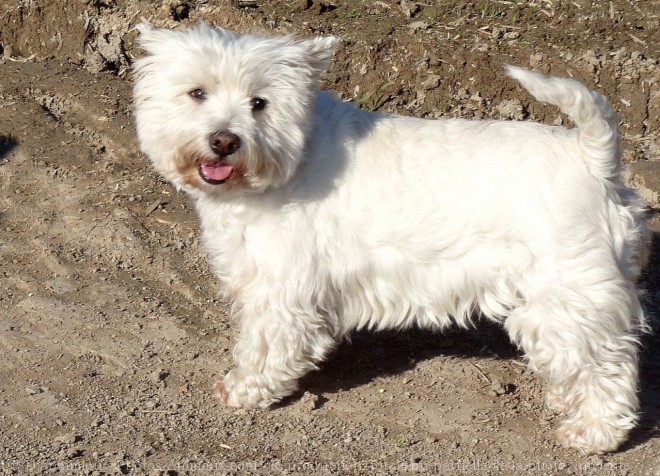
320 218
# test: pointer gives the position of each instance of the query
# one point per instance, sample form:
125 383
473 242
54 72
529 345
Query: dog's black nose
224 143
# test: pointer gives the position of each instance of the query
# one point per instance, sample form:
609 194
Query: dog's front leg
275 348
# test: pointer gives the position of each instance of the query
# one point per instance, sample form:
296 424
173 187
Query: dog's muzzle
223 144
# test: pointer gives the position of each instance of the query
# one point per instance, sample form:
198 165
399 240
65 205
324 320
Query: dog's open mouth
215 171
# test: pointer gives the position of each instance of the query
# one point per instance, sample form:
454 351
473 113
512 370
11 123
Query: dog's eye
198 94
258 104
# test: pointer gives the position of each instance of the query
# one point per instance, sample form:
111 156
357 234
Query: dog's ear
203 29
150 36
320 51
145 28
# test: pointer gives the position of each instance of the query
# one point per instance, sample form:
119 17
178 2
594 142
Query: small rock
409 8
418 26
382 5
159 375
596 460
432 82
180 12
33 390
68 438
511 109
498 388
74 453
536 59
246 3
309 400
319 8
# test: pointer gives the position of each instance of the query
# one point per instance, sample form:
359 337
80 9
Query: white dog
320 218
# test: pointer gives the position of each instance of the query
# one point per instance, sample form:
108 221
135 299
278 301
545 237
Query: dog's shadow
649 425
370 355
7 144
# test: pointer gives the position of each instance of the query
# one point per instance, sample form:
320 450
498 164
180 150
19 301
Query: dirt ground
111 331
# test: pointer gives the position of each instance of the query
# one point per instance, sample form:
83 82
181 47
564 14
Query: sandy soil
110 329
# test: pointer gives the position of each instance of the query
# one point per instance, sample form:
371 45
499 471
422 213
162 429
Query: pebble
33 390
409 8
68 438
536 59
309 400
418 26
432 82
159 375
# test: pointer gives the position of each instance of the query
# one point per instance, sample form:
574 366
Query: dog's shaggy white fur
320 218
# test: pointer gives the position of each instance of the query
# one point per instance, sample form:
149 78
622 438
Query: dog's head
217 110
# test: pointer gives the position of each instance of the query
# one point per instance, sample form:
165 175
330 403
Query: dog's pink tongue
216 170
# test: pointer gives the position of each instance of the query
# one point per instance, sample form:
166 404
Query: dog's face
216 110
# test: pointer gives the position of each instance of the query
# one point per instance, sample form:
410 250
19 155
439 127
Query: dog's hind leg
581 335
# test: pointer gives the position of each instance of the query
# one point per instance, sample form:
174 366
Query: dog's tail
597 122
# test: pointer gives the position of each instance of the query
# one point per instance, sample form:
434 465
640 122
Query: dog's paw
219 390
555 400
595 438
245 390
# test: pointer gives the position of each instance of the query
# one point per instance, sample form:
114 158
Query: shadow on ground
649 365
7 143
369 355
